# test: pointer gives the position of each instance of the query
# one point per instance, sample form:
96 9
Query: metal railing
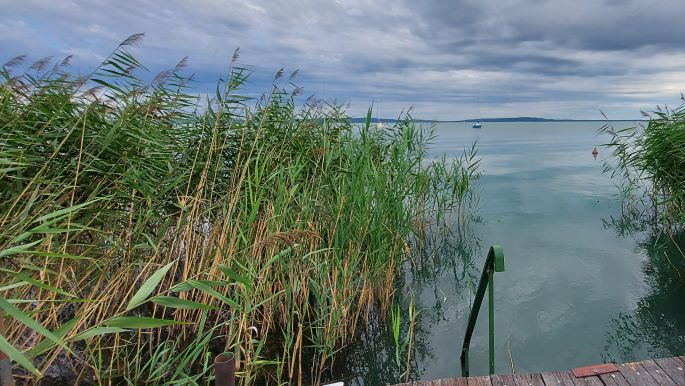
493 263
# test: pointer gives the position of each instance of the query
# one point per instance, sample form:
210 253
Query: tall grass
651 163
145 229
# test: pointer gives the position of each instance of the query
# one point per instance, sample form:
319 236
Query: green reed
145 229
650 159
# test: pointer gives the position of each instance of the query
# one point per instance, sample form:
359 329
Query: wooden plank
503 380
594 370
458 382
557 378
614 379
659 375
657 372
587 381
635 374
479 381
674 368
450 382
529 380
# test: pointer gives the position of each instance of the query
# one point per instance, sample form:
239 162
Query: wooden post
6 378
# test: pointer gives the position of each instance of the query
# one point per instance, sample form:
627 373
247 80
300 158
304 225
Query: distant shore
514 119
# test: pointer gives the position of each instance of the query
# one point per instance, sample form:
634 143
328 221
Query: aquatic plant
403 345
650 160
145 229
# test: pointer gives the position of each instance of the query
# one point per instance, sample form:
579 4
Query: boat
476 125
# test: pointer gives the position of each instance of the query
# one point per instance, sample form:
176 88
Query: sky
448 60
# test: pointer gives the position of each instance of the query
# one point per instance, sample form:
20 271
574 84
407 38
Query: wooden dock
656 372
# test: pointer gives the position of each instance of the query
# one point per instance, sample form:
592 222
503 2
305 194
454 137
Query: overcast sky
447 59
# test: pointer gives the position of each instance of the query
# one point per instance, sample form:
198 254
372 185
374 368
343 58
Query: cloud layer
447 59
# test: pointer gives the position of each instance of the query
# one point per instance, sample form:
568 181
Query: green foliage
148 286
402 345
651 162
133 214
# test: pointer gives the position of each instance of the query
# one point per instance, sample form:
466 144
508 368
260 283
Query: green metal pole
494 262
491 318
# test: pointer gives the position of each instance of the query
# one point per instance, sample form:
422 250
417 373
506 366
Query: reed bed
145 230
650 159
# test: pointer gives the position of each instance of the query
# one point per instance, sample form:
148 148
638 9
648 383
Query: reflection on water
584 282
657 325
371 360
629 224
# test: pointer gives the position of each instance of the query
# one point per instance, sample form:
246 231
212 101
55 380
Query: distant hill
385 120
513 119
509 119
534 119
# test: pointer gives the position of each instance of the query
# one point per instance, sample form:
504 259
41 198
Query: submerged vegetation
145 230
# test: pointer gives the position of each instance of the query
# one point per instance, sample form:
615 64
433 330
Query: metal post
224 370
491 318
465 361
494 262
5 371
473 316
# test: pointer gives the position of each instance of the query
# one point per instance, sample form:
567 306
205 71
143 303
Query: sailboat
476 124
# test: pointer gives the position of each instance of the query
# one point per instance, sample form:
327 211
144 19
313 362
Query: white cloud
450 60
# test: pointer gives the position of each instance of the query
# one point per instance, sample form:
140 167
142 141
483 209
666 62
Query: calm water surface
577 289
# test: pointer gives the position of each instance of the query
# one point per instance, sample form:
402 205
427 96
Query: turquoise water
578 289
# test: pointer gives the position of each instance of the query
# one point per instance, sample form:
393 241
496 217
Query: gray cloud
449 59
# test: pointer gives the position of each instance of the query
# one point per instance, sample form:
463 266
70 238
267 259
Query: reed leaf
148 286
17 356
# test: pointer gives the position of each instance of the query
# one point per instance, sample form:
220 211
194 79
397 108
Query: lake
578 289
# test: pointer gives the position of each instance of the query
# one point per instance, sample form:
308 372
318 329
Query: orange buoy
595 152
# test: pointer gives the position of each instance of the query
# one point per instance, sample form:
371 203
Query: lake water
577 289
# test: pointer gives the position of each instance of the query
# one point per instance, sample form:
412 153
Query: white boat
476 125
